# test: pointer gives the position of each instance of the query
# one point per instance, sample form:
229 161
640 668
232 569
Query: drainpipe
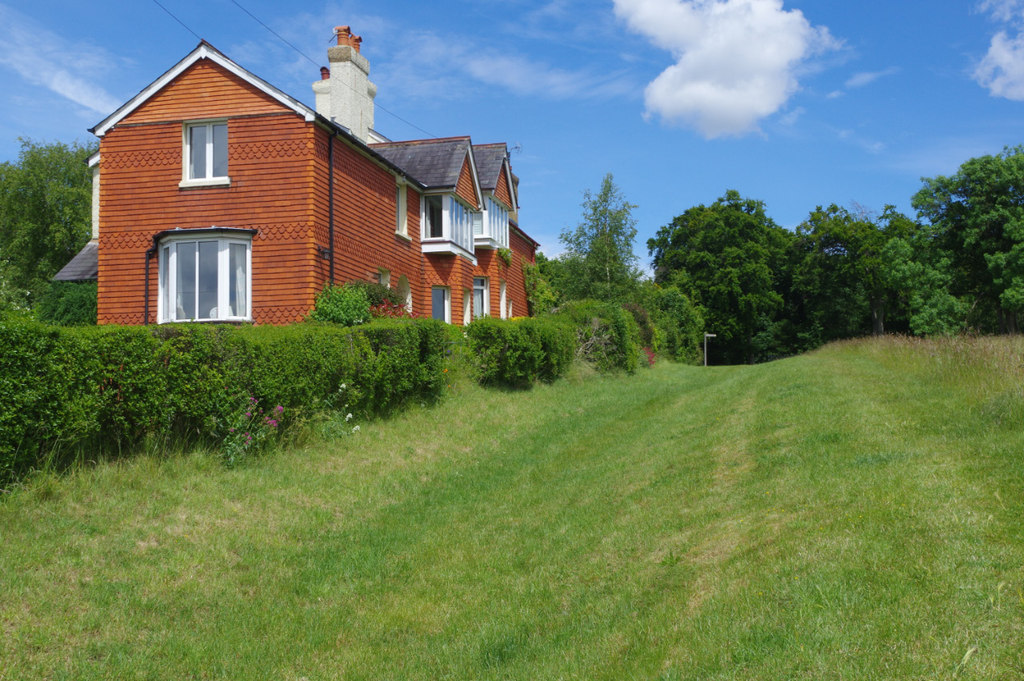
150 252
330 204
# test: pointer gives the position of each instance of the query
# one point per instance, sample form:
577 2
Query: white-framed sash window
205 154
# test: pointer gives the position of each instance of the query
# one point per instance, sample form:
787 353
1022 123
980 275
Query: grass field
854 513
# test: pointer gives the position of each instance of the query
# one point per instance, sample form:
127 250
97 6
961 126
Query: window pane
478 303
165 296
208 280
437 302
236 281
197 152
434 227
220 150
186 280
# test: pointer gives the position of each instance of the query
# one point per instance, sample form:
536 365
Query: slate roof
83 267
489 160
434 163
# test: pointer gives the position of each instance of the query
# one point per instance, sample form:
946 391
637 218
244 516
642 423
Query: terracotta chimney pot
345 37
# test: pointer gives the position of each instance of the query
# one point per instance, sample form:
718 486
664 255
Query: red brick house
217 197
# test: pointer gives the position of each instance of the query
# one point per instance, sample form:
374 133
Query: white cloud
429 65
1003 10
737 61
867 77
45 59
1001 70
791 117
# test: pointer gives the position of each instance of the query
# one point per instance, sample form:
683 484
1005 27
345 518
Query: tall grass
853 513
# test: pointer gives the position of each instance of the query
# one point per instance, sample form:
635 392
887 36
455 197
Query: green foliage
648 333
347 305
978 220
107 389
68 303
726 258
921 277
515 353
45 213
607 336
599 262
506 256
680 325
540 296
377 293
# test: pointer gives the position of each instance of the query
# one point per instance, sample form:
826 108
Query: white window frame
209 180
168 283
467 306
402 209
405 290
456 228
485 299
447 303
504 299
384 277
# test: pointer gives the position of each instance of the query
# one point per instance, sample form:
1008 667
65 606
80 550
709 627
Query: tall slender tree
599 261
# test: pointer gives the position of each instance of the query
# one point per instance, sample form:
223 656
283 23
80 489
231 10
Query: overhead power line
303 54
171 14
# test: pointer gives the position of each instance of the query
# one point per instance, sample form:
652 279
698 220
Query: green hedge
109 388
68 303
607 336
518 352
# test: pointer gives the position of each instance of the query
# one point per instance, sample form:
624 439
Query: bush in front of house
347 305
108 389
607 336
515 353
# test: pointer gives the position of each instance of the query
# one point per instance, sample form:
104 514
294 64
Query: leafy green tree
977 216
728 259
840 273
920 276
599 262
45 212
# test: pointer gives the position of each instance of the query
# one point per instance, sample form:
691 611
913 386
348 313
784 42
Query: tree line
767 292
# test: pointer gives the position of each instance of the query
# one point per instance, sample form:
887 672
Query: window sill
404 236
206 182
232 320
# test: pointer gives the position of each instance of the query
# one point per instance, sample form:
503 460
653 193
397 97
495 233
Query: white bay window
206 277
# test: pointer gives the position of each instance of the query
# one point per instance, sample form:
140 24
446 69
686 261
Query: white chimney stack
344 93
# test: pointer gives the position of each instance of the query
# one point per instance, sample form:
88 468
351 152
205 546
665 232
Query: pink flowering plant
251 431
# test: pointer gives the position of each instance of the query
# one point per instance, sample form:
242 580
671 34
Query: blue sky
793 103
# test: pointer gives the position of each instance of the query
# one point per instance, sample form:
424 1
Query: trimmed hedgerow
607 336
518 352
107 389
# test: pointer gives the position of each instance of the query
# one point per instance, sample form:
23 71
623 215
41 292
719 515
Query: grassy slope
850 514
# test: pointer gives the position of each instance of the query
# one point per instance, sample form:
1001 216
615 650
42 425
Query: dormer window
205 160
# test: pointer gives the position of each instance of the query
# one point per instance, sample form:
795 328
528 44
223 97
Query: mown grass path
855 513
